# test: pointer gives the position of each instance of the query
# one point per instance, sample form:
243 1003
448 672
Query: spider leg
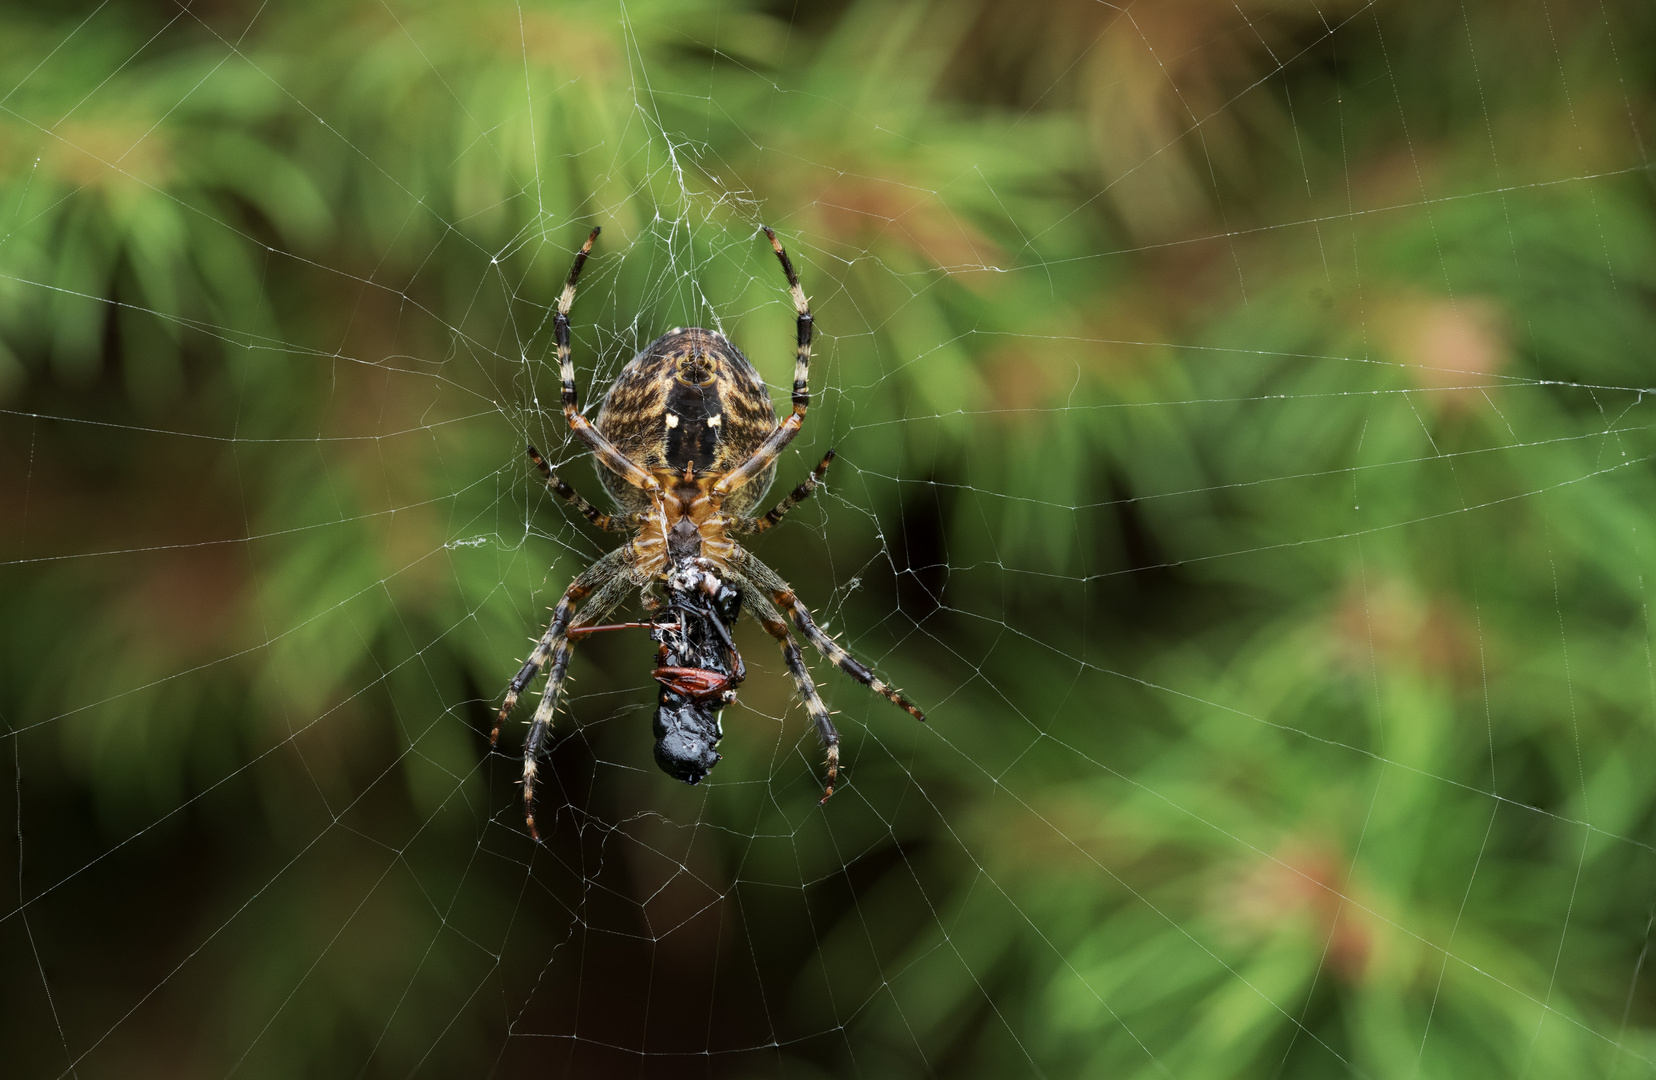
835 652
608 576
558 487
609 566
771 620
556 631
798 495
782 594
606 451
784 432
604 601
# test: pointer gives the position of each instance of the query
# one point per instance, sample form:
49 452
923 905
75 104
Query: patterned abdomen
689 399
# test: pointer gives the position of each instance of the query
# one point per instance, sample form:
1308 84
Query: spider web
1270 561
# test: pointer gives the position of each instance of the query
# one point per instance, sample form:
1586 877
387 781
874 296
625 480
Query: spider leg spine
560 326
608 581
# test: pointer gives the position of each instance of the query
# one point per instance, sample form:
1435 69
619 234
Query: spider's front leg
784 432
606 582
604 450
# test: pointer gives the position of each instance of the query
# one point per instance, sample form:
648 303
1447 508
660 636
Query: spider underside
688 440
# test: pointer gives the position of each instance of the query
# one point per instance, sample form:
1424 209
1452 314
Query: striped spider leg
780 510
768 595
602 587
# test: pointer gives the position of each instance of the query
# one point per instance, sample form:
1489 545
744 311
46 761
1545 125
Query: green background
1243 460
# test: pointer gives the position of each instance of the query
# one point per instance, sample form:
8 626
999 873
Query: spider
688 443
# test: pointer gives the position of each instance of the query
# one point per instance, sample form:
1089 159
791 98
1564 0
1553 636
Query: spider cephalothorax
688 442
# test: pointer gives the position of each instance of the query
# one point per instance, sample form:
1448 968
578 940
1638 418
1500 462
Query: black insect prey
697 666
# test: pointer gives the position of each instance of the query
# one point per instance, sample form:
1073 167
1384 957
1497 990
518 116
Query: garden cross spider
688 441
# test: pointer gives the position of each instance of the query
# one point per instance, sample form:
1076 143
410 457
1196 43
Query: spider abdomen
690 400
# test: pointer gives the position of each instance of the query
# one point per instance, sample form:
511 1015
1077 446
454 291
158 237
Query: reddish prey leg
580 631
697 683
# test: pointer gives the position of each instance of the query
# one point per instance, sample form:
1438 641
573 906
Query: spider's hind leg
781 593
606 582
771 620
835 652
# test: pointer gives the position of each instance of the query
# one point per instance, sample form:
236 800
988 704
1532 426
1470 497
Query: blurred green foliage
1243 457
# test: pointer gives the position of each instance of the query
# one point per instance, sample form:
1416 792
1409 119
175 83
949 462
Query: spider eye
686 735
